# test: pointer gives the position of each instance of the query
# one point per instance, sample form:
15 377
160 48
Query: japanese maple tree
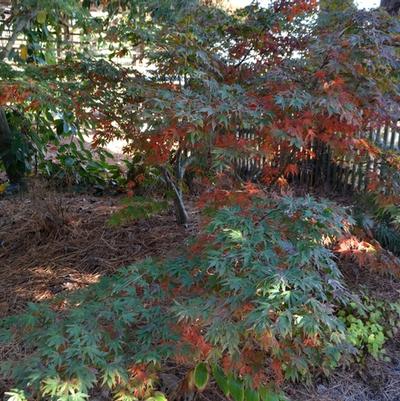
293 74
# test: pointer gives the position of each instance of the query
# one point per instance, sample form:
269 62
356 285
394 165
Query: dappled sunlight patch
369 254
60 242
361 250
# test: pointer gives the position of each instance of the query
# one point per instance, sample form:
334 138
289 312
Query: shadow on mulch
52 242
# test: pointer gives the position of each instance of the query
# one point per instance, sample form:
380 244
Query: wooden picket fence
320 168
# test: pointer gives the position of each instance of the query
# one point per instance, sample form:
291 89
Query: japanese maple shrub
253 303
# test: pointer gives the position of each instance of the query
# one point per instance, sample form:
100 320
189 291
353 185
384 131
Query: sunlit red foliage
218 198
294 8
13 94
368 254
141 379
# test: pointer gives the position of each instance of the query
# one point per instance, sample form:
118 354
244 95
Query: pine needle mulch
52 242
371 380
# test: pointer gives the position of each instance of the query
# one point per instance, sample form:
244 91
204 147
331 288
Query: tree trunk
13 167
391 6
180 210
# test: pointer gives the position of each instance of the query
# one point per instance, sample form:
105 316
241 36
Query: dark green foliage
381 219
221 379
50 144
236 389
90 338
76 166
12 147
239 390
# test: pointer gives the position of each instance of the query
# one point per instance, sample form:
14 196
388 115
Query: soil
52 242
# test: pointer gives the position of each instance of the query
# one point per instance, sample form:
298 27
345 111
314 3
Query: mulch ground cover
52 242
